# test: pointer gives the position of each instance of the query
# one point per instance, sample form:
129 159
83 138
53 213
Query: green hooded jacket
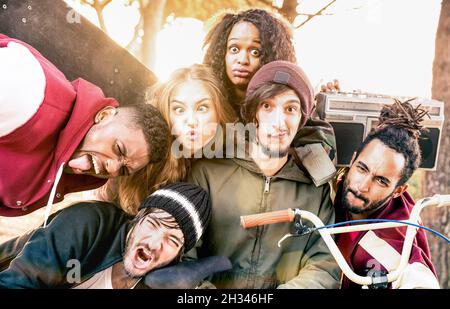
238 187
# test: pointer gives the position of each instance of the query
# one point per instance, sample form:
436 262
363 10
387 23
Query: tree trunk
438 182
152 13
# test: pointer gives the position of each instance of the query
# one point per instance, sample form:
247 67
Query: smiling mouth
279 136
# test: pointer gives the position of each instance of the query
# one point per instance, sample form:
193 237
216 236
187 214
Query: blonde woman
192 102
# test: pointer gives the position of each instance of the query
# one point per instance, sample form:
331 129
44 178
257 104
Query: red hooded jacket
381 249
32 153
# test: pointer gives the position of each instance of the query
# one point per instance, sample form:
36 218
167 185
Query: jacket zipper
267 184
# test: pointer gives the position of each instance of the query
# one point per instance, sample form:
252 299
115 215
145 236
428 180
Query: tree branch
98 6
135 34
319 12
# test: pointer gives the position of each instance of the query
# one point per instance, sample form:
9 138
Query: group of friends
159 202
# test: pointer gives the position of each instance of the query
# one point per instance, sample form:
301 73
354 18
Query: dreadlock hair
275 35
399 129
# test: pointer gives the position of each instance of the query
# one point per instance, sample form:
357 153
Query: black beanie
188 204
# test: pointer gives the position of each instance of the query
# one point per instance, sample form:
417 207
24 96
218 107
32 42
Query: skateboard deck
76 46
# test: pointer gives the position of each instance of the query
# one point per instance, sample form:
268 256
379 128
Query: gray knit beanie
189 204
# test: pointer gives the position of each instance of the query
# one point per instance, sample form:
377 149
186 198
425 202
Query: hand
186 275
331 86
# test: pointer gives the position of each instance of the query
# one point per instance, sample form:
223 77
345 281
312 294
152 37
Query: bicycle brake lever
284 238
299 229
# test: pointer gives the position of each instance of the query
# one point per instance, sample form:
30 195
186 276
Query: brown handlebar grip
286 215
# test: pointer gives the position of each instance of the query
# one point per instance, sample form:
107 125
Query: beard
127 256
366 208
273 151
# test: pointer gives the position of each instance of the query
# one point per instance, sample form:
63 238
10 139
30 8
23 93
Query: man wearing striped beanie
95 245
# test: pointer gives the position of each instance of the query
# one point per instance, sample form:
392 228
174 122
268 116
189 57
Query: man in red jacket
58 136
375 188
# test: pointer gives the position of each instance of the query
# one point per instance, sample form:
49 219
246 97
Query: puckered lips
192 135
241 73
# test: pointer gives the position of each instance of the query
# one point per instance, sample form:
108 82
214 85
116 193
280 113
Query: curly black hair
156 131
399 129
275 35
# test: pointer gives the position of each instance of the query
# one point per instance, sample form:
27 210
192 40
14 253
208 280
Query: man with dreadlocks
374 187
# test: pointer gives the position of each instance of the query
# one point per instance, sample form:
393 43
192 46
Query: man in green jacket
278 102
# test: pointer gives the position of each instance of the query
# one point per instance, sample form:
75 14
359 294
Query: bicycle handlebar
287 215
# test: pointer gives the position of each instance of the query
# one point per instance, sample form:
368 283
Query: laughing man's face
112 147
155 241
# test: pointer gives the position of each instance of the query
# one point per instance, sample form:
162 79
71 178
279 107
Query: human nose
113 167
364 184
279 119
157 241
243 58
191 119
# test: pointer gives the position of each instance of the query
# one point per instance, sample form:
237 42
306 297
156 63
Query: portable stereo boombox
354 115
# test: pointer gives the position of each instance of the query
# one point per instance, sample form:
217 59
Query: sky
377 46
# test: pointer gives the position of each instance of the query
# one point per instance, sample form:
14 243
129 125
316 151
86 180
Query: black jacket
92 233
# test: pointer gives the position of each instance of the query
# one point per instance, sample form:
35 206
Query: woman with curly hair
238 44
193 103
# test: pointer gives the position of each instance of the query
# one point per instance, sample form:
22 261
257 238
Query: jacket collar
290 171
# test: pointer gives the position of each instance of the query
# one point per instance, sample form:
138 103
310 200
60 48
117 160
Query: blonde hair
153 176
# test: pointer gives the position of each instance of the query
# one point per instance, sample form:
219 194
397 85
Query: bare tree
438 182
98 6
153 14
152 20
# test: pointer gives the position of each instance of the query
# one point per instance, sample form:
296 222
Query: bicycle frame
289 214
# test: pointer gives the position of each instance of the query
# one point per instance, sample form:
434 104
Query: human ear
399 190
105 113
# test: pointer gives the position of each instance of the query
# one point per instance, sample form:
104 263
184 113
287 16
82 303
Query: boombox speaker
354 115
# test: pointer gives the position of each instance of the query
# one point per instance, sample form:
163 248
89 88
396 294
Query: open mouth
86 164
96 165
142 258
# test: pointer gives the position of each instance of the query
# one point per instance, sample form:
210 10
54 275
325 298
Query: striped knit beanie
188 204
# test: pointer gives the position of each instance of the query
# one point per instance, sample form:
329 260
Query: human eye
292 109
119 149
178 110
255 52
233 49
382 182
361 168
173 241
265 105
203 108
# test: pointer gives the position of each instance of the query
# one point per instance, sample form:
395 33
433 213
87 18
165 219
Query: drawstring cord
48 208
